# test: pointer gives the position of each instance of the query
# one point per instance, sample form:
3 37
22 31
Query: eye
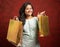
27 8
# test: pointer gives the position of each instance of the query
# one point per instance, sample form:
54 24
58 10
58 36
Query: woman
30 26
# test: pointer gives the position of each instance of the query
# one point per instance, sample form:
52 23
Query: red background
10 8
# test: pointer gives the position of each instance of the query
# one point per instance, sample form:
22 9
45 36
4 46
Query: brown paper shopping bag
43 26
14 31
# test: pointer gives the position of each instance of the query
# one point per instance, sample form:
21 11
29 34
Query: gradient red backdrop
10 8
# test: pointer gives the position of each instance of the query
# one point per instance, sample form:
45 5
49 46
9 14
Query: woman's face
28 10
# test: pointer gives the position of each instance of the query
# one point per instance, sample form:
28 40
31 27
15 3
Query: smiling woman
9 8
30 26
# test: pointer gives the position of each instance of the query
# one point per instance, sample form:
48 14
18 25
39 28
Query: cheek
29 11
26 11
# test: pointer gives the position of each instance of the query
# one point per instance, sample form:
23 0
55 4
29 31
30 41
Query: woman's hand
41 14
19 45
38 15
15 18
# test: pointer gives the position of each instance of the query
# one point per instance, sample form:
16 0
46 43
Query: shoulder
35 18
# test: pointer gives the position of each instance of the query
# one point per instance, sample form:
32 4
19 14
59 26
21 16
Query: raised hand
15 18
41 14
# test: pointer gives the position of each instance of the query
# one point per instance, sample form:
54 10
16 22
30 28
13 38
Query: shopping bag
43 23
14 31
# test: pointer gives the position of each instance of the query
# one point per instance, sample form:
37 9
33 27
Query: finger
15 18
42 12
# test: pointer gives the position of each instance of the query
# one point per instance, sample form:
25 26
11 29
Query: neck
28 17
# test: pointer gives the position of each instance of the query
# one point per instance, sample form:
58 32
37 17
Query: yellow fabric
43 25
14 31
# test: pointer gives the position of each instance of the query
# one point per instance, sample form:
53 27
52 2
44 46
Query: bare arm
38 16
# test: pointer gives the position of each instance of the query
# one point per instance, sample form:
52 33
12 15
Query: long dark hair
22 15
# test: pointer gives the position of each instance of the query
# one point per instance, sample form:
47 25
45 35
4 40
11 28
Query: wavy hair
22 15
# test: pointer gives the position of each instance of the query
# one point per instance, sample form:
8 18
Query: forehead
28 6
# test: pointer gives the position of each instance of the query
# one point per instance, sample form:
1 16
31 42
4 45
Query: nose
30 10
